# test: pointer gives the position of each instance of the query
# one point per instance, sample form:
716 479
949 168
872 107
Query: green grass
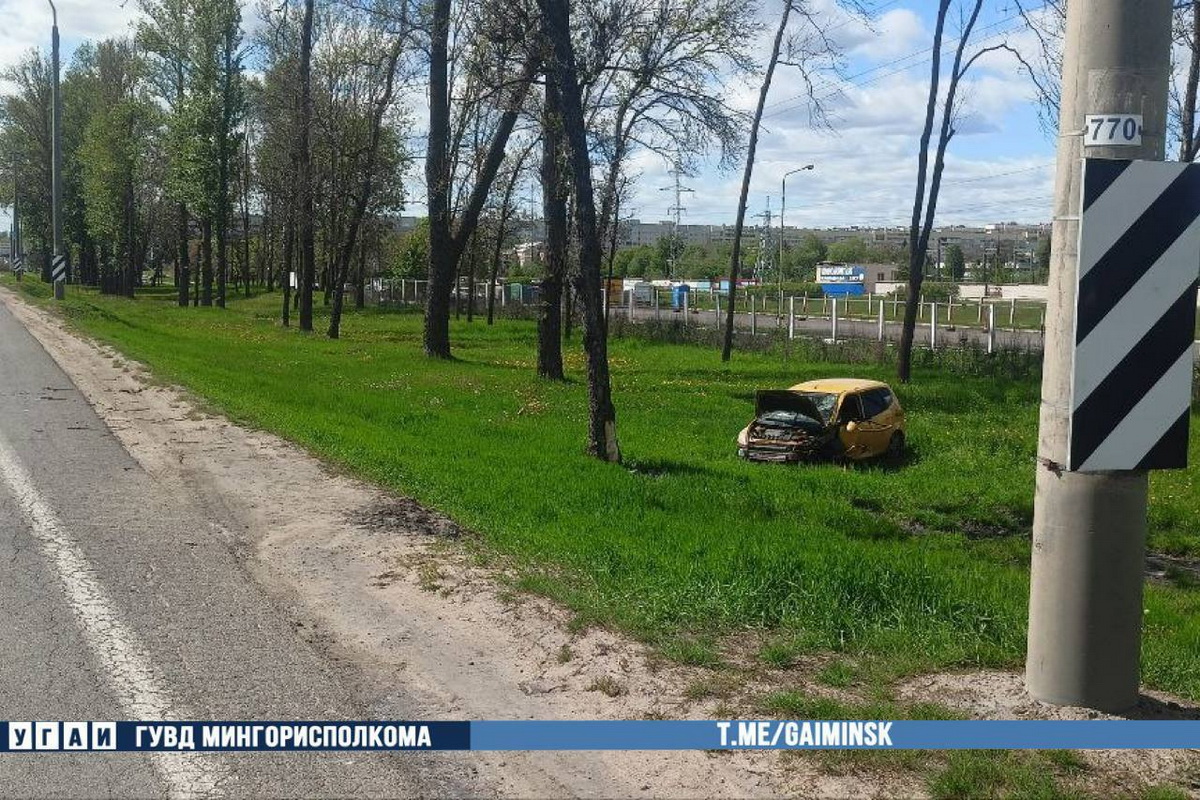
1000 773
919 567
947 774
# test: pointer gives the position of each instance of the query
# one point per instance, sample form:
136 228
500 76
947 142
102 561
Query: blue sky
999 166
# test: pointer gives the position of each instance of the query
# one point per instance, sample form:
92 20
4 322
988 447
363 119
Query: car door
850 410
879 421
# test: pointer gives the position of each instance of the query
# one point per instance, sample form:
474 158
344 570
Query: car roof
838 385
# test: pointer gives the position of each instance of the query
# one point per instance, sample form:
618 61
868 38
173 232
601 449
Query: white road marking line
124 662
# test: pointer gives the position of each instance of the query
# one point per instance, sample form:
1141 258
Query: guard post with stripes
58 268
1135 315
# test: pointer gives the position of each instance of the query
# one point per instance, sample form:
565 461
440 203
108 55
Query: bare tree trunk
183 277
437 185
246 214
360 277
473 263
919 230
222 258
131 253
206 261
363 197
602 426
224 195
196 272
612 250
571 267
289 240
457 288
554 212
184 274
498 251
568 307
740 220
1188 145
304 172
446 246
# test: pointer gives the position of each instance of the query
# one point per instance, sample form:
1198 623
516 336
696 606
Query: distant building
529 253
1017 242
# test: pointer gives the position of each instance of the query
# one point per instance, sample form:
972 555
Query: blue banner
57 736
840 734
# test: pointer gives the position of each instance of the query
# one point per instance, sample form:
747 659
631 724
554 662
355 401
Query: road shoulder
375 581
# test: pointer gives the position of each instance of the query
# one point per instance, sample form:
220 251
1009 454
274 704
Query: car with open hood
829 418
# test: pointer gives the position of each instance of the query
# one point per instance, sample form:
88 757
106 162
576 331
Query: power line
998 174
953 43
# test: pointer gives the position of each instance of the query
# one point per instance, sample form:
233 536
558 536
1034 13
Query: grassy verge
919 567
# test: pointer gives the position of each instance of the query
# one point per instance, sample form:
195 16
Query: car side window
875 402
851 410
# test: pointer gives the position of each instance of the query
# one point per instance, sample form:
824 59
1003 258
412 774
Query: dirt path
373 580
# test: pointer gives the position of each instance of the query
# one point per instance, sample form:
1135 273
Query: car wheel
895 447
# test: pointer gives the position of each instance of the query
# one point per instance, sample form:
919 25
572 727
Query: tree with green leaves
162 34
25 126
955 262
381 80
275 107
1042 259
117 142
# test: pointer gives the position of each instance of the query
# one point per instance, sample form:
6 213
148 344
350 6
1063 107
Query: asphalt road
118 604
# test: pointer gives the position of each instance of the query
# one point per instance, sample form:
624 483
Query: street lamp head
54 12
797 169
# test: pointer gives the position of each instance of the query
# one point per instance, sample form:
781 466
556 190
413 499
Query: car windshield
823 401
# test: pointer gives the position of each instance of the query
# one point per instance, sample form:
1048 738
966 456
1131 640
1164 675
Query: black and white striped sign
59 269
1135 315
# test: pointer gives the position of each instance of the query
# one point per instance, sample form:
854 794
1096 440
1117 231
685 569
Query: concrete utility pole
1089 529
56 165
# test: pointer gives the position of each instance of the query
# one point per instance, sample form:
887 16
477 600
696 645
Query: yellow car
830 418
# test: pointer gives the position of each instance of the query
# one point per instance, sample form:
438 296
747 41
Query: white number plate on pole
1112 130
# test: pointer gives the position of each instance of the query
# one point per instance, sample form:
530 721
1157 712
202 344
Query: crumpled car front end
787 427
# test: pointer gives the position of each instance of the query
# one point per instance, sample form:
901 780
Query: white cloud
27 25
896 33
866 165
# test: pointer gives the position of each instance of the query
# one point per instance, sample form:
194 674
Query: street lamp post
782 209
58 266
